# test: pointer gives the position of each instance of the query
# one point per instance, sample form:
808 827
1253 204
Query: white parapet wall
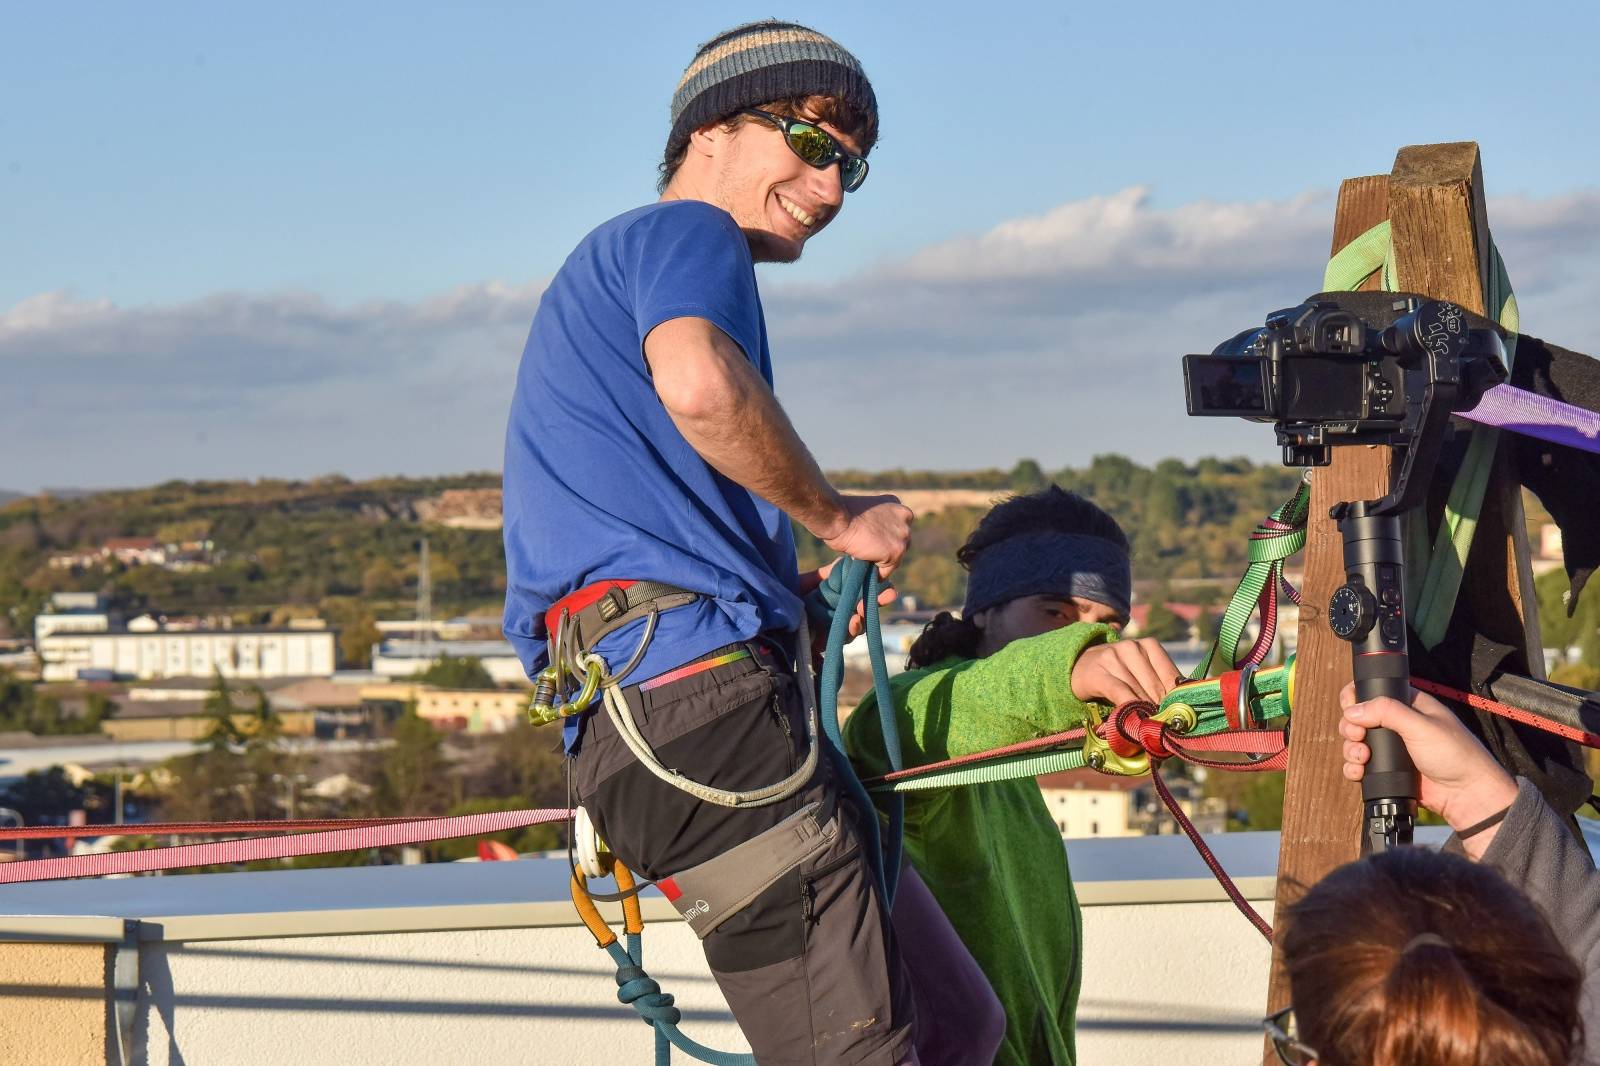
486 964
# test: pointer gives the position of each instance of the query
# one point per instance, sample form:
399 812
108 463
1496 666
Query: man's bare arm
731 418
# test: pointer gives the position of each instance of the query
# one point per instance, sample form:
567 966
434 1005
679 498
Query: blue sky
242 242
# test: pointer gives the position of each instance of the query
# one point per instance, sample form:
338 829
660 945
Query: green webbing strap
1031 765
1436 601
1269 698
1360 259
1269 701
1435 597
1267 550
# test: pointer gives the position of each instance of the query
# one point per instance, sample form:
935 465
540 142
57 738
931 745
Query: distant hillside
348 549
333 545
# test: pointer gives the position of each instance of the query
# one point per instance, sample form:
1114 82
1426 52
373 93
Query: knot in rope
641 992
1131 731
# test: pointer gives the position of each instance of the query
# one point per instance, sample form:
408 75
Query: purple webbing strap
1533 415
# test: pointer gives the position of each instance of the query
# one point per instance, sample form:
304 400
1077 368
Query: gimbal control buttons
1352 612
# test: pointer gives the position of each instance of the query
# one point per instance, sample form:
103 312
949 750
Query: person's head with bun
1416 958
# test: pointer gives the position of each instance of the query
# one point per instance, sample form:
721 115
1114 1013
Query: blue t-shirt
600 484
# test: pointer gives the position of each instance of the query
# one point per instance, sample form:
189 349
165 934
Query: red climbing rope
1209 856
189 829
1505 710
254 849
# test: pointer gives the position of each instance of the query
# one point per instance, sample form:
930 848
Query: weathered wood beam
1441 242
1321 810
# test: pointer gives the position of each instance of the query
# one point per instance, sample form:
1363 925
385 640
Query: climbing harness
568 686
714 891
710 893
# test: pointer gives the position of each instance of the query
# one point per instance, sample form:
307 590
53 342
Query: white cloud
1054 335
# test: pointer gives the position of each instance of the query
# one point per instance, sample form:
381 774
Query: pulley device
1325 378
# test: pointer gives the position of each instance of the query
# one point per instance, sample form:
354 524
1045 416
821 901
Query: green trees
48 796
412 775
1162 624
1575 640
1026 477
28 709
356 640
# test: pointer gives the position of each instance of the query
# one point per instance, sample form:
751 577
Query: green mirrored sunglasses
817 147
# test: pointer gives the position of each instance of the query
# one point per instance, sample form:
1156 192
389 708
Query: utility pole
425 603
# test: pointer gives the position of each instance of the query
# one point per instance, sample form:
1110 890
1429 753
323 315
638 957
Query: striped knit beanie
756 64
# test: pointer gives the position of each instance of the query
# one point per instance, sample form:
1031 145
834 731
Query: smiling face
749 171
1028 616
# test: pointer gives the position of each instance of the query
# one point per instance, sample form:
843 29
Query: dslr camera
1325 376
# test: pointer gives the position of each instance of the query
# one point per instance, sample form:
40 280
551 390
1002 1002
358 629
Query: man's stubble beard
765 247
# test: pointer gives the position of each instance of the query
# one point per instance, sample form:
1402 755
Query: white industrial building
241 653
72 612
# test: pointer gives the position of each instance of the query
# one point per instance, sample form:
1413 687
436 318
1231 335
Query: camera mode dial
1352 612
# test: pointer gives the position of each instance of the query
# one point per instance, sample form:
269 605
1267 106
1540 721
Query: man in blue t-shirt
650 480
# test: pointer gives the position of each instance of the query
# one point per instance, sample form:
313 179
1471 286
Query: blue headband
1050 564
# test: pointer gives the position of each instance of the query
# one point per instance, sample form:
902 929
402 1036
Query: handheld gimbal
1325 378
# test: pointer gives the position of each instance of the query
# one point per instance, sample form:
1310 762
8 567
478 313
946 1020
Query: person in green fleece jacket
1048 591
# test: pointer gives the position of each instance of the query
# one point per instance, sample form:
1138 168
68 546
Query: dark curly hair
1052 511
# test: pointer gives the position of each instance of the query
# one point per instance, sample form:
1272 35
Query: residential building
135 551
1208 813
438 628
76 601
72 612
465 710
1086 803
69 622
1547 553
140 718
139 551
18 657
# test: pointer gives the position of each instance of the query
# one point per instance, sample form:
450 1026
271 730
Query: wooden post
1441 243
1321 810
1434 201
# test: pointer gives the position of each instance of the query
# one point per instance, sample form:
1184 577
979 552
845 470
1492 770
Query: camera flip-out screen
1226 385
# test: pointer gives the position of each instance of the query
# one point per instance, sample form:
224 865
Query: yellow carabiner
1099 755
543 708
593 674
